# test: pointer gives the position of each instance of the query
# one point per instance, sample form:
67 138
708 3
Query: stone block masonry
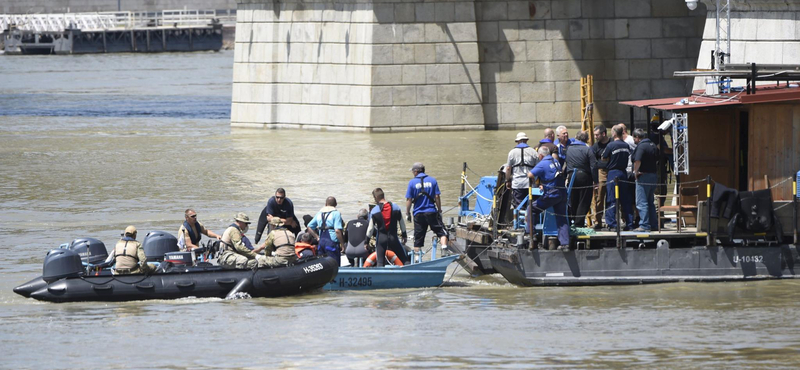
357 66
394 65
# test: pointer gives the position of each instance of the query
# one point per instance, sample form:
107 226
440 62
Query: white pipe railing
114 20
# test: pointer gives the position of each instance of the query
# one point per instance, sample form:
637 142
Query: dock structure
114 32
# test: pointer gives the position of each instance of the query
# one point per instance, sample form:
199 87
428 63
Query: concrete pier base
392 65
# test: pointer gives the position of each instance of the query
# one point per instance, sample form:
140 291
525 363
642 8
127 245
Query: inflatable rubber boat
75 272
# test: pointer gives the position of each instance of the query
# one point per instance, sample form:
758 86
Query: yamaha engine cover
61 263
180 258
158 243
91 250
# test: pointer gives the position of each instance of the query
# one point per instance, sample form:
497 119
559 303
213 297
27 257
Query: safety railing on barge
115 20
486 204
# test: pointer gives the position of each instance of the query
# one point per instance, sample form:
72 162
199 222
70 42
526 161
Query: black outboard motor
179 258
61 263
91 250
158 243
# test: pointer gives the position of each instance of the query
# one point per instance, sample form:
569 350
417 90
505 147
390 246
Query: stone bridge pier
393 65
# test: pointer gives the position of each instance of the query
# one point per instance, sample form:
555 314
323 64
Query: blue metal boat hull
420 275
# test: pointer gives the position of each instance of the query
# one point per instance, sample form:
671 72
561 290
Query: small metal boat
419 275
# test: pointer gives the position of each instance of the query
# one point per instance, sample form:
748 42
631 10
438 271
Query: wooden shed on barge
747 140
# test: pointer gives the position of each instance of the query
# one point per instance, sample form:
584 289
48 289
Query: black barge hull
201 282
626 266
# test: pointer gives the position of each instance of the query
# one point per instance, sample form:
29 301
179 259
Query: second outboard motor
179 258
61 263
91 250
158 243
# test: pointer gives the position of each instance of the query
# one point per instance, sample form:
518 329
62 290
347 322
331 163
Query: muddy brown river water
90 144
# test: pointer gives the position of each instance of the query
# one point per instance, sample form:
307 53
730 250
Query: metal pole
709 235
794 210
461 194
631 118
529 216
618 212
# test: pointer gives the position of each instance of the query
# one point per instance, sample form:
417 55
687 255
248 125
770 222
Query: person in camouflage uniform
235 254
279 245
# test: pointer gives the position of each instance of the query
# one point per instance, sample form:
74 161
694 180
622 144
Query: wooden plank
479 237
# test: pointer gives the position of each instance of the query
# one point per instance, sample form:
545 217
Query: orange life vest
372 260
299 247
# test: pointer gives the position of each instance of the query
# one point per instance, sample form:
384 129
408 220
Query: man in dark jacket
278 206
580 162
601 140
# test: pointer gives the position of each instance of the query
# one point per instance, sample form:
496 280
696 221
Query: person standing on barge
580 162
521 159
601 141
423 193
617 154
548 173
644 168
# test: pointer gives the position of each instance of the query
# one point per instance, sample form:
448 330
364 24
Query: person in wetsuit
384 219
278 206
355 237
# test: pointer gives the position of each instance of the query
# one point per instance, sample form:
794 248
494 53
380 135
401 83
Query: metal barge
117 32
705 249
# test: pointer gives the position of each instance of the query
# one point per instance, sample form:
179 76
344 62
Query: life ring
372 260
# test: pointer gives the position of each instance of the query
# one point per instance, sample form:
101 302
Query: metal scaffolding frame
723 36
680 142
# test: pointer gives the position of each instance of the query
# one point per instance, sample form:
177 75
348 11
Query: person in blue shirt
548 173
423 193
327 226
616 154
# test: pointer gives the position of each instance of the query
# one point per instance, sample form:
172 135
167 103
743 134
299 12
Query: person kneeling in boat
279 245
355 238
548 172
235 253
304 246
128 255
383 221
